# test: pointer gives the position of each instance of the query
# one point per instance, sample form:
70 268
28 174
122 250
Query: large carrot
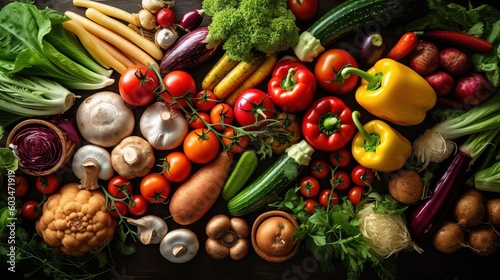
199 192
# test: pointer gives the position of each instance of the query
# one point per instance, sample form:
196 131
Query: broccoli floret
247 27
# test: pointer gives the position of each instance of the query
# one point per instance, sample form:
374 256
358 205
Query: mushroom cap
133 157
104 119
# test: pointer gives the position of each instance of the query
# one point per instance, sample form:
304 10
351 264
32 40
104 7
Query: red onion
454 61
472 89
425 58
441 82
192 19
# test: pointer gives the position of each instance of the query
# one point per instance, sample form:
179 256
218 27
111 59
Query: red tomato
304 10
30 210
154 187
47 184
310 205
204 100
251 107
326 196
117 209
309 186
176 167
201 145
233 143
362 176
138 205
328 65
355 194
120 187
165 17
221 113
319 168
179 86
137 85
340 180
340 158
198 120
21 185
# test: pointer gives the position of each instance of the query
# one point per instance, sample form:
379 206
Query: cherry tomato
204 100
21 185
197 120
47 184
326 196
362 176
319 168
176 167
201 145
120 187
251 107
117 208
30 210
304 10
310 205
138 205
233 143
154 187
179 85
355 194
221 113
165 17
328 65
340 158
341 180
137 85
309 186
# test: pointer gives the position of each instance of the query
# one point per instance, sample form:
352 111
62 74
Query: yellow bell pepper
394 92
378 146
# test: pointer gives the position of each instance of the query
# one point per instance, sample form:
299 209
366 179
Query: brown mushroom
227 237
133 157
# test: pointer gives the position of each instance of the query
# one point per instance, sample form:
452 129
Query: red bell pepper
292 86
327 124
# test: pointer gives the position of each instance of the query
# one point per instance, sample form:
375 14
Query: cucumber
274 180
241 173
346 17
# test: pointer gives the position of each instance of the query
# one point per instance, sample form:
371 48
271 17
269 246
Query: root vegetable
449 237
441 82
470 210
454 61
406 186
472 89
425 58
483 240
493 212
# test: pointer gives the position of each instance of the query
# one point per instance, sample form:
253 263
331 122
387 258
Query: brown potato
493 212
470 208
483 240
406 186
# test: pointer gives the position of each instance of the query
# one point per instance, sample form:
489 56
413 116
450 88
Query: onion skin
425 58
454 61
441 82
472 89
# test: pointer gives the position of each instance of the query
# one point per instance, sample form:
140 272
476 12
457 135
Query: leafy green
8 161
249 26
28 46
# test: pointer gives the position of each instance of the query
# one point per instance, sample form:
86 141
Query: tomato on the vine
21 185
120 187
328 196
340 158
340 180
117 208
309 186
47 184
355 194
201 145
319 168
204 100
198 120
310 205
154 187
253 106
138 205
165 17
176 167
362 176
232 142
327 71
304 10
138 84
30 210
180 85
220 114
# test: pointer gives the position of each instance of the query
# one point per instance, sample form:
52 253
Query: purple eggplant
190 50
191 19
372 49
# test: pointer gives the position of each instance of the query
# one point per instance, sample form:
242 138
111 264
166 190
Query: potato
470 209
449 237
483 240
493 211
406 186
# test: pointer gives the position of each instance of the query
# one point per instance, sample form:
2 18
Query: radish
449 238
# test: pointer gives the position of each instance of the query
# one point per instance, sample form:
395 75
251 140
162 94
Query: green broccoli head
253 26
212 7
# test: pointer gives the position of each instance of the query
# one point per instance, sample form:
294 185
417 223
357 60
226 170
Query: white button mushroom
90 163
133 157
179 245
150 228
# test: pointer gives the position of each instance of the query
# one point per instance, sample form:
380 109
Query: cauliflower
76 221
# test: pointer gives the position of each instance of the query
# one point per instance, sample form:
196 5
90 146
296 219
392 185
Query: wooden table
147 263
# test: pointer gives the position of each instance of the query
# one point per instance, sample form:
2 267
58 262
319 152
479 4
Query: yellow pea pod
257 77
218 72
237 76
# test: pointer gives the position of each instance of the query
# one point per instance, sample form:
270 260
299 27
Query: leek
488 179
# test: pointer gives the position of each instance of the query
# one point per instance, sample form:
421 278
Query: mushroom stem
179 250
131 155
91 170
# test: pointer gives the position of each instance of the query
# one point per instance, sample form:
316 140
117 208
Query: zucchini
274 180
346 17
241 173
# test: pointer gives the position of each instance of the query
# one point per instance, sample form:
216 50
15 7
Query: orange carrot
406 44
199 192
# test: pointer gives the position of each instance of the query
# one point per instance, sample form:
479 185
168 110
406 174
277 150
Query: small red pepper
292 86
327 124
